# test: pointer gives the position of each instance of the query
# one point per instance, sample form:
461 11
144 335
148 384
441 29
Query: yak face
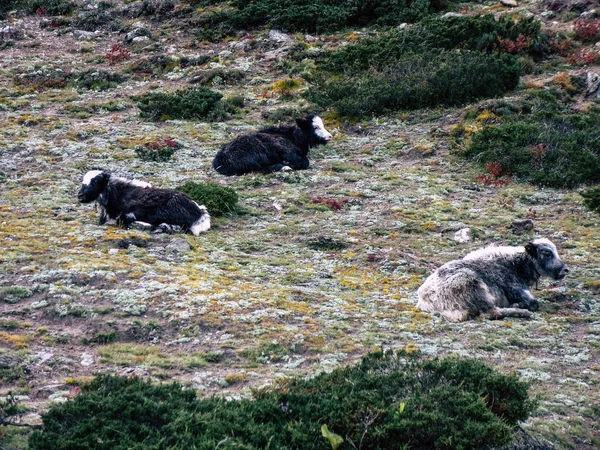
92 185
546 259
312 126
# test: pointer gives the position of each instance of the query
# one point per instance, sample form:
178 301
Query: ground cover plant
189 104
318 267
159 150
549 145
385 402
219 200
418 67
314 16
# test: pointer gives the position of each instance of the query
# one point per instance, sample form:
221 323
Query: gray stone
511 3
463 235
86 35
137 32
451 14
179 245
592 82
280 37
137 39
276 54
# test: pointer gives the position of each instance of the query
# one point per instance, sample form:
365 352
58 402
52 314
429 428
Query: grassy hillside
441 122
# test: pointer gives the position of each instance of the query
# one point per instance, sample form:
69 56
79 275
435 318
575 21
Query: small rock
137 32
43 357
511 3
9 32
276 54
592 82
547 15
463 235
280 37
404 25
240 46
140 39
85 35
451 14
591 14
39 305
179 245
309 38
521 226
87 359
46 391
113 251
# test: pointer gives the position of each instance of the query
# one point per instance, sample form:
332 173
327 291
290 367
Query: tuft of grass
219 200
12 294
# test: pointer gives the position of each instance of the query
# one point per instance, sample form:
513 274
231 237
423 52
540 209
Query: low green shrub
159 150
219 200
481 33
12 294
99 80
187 104
417 81
313 16
545 148
386 402
591 199
50 7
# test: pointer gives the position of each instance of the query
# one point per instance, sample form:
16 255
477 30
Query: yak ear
302 123
531 249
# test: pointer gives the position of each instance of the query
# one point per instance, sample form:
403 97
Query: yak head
313 128
546 260
92 185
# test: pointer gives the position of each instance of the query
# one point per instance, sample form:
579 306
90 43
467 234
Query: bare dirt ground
252 301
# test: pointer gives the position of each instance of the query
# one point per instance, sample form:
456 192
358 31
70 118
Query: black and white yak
271 149
128 201
494 281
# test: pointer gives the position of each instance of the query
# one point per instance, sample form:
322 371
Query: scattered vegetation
385 402
99 80
12 294
188 104
159 150
418 67
314 16
546 147
219 200
591 199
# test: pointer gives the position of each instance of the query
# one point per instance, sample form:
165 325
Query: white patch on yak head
320 130
88 177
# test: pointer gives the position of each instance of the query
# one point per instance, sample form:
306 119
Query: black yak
272 149
128 201
493 280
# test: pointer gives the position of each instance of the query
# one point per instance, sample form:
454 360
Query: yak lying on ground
494 281
273 148
128 201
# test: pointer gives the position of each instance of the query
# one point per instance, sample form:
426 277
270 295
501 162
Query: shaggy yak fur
494 281
272 149
128 201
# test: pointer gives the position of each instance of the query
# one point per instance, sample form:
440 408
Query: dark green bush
591 199
314 15
51 7
219 200
481 33
547 148
98 80
386 402
417 81
189 104
159 150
